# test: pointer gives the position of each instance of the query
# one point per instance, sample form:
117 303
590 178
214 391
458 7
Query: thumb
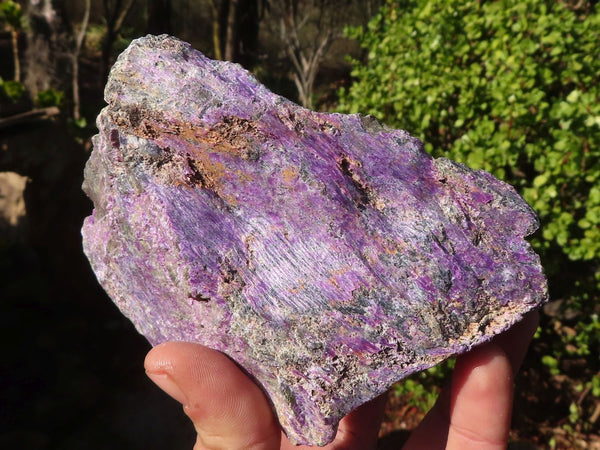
228 410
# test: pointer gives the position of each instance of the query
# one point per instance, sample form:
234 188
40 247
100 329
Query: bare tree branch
34 114
122 16
305 47
78 45
115 14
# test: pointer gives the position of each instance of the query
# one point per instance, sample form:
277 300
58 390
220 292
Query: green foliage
594 385
124 38
416 394
48 97
581 339
577 412
94 35
586 342
552 363
576 345
11 15
508 86
78 129
421 390
80 123
11 90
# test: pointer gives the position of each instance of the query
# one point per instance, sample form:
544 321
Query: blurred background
508 86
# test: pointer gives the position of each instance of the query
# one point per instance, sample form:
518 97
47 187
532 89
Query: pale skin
230 412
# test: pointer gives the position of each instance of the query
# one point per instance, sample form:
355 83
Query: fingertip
481 400
474 412
485 368
228 410
515 341
159 368
157 359
360 428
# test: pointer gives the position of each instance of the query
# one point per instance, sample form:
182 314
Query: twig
595 414
76 53
42 113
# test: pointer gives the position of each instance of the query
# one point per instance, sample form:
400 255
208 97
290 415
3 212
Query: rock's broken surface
326 254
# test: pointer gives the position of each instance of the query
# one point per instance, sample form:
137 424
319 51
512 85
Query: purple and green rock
326 254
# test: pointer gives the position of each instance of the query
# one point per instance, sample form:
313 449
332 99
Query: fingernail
167 384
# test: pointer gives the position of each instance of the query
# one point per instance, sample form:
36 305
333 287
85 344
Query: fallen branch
34 114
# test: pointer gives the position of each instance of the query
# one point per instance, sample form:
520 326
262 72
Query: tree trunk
107 44
48 44
235 26
306 54
216 29
249 17
231 40
114 15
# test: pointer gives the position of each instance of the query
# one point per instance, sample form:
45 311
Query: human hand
230 412
474 412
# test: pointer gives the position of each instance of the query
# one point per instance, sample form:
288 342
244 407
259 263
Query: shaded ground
72 373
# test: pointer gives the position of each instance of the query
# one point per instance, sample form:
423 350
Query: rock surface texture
326 254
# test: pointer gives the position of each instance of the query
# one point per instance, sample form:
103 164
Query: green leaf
81 122
14 90
11 14
552 363
48 97
540 180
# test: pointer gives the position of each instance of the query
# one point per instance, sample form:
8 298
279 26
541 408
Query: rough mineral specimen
328 255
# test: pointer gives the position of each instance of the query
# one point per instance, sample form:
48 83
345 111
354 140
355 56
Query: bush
48 97
511 87
11 14
11 90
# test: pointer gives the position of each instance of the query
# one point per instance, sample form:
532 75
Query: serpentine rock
328 255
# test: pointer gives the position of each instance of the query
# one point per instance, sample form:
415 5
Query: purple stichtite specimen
326 254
